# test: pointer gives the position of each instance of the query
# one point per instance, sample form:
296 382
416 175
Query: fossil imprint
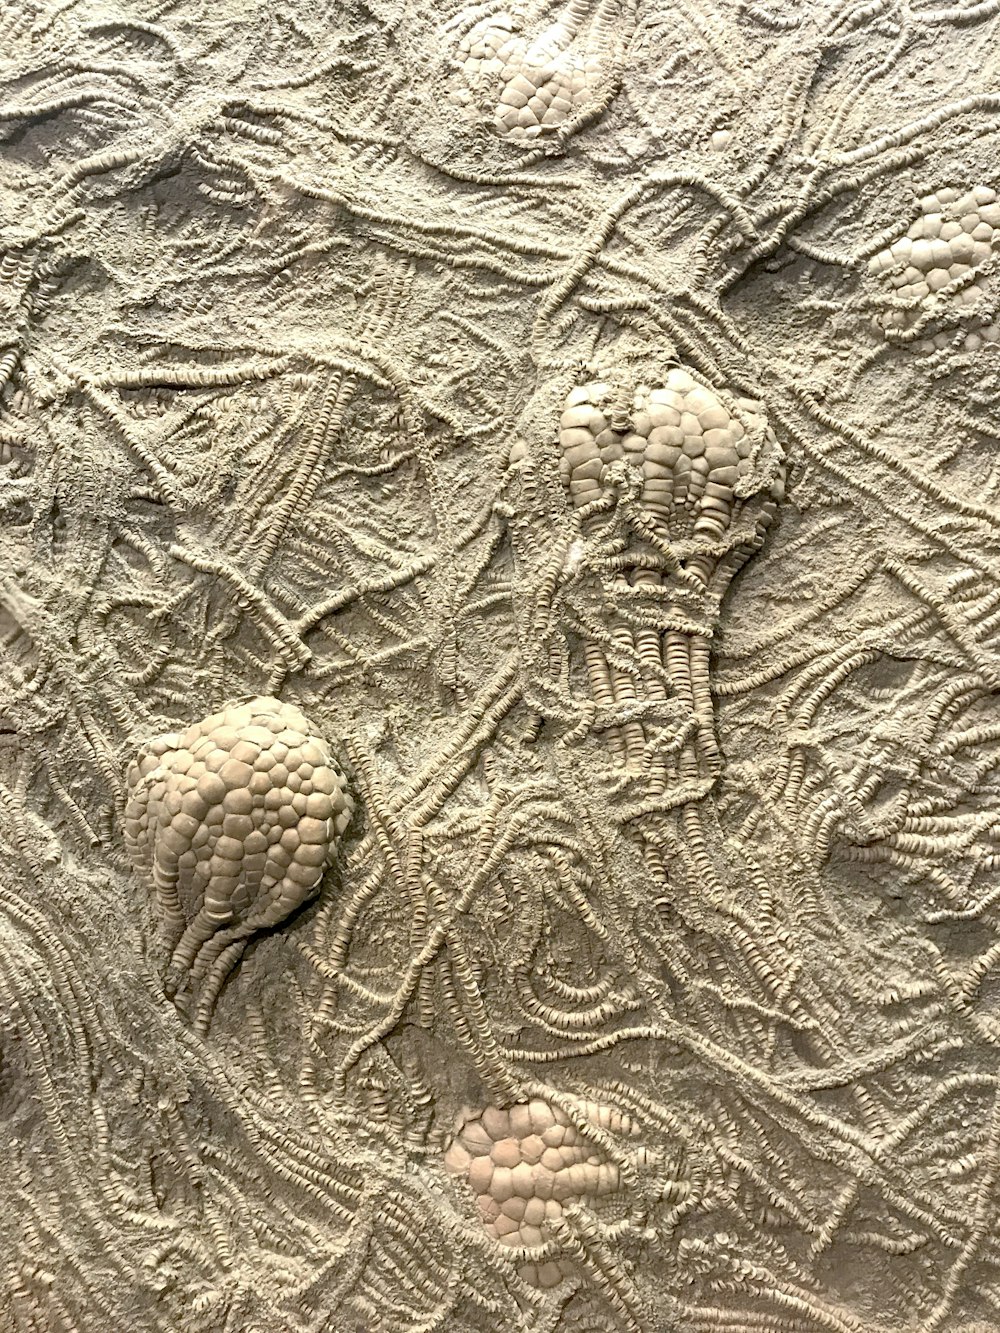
232 823
526 1165
694 478
540 85
940 266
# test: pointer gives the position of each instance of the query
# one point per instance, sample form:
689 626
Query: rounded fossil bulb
921 255
211 788
506 1152
961 247
216 827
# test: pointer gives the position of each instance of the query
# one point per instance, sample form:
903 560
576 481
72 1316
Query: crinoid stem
625 692
603 28
700 654
649 650
677 663
215 979
554 40
693 829
686 659
168 901
571 18
336 397
603 692
652 856
197 934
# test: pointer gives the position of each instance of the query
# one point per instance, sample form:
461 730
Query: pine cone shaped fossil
232 824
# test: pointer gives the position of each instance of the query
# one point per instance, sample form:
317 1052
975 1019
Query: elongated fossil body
698 477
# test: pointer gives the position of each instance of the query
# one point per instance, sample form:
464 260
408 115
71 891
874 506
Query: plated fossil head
691 478
232 823
692 453
525 1164
535 85
942 263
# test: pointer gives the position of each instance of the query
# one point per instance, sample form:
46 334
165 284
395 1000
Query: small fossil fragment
945 247
232 823
525 1163
699 477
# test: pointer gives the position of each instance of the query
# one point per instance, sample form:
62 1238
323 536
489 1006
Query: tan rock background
653 984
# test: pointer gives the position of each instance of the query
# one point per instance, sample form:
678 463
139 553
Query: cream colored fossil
232 822
943 250
698 478
536 86
525 1163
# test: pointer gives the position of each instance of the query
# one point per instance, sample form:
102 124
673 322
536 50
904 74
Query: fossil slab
499 650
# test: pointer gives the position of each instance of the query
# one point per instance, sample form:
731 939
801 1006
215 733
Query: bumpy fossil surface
945 252
526 1165
233 822
697 489
692 452
499 659
538 86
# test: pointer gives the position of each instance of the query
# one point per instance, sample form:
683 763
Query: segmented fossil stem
699 662
626 697
603 691
649 649
668 465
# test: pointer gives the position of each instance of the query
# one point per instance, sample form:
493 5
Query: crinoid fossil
232 823
938 270
537 84
526 1165
679 481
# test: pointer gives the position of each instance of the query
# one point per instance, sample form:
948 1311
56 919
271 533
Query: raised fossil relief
659 988
528 1165
232 822
540 85
693 477
940 267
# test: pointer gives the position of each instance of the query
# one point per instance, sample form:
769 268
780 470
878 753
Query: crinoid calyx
232 823
683 479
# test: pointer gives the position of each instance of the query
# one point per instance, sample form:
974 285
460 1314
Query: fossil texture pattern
541 85
233 823
527 1165
499 663
944 253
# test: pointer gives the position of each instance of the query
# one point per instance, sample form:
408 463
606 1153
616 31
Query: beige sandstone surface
499 656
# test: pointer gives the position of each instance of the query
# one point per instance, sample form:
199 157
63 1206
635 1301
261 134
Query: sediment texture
499 621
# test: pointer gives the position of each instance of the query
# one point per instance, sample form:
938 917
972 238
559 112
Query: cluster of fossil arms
677 484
